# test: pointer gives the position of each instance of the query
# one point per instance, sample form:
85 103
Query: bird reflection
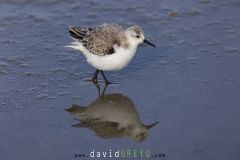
111 116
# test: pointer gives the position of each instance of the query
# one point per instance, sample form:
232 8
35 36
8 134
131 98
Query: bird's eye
137 36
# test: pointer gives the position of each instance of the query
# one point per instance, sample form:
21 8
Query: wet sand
189 83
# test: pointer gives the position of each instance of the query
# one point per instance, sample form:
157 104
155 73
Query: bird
107 47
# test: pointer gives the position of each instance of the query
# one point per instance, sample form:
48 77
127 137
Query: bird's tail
76 109
75 45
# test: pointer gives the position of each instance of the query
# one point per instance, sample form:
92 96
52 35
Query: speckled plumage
100 40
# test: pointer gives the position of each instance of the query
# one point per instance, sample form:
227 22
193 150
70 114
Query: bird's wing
98 40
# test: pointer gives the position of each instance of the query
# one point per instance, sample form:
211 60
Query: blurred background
190 83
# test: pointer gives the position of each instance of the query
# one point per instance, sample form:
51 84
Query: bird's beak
147 42
152 125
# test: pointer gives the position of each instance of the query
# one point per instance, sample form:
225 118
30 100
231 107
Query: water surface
190 83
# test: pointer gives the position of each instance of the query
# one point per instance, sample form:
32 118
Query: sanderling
107 47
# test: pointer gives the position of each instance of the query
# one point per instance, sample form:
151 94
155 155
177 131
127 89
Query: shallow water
189 83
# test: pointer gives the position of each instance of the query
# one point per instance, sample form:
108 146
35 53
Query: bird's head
135 35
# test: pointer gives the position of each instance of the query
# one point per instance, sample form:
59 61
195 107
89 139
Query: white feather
115 61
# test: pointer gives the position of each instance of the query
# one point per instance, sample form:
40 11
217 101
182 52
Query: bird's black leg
94 78
104 89
98 88
106 81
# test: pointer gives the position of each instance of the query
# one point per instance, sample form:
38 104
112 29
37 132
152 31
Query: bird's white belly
115 61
